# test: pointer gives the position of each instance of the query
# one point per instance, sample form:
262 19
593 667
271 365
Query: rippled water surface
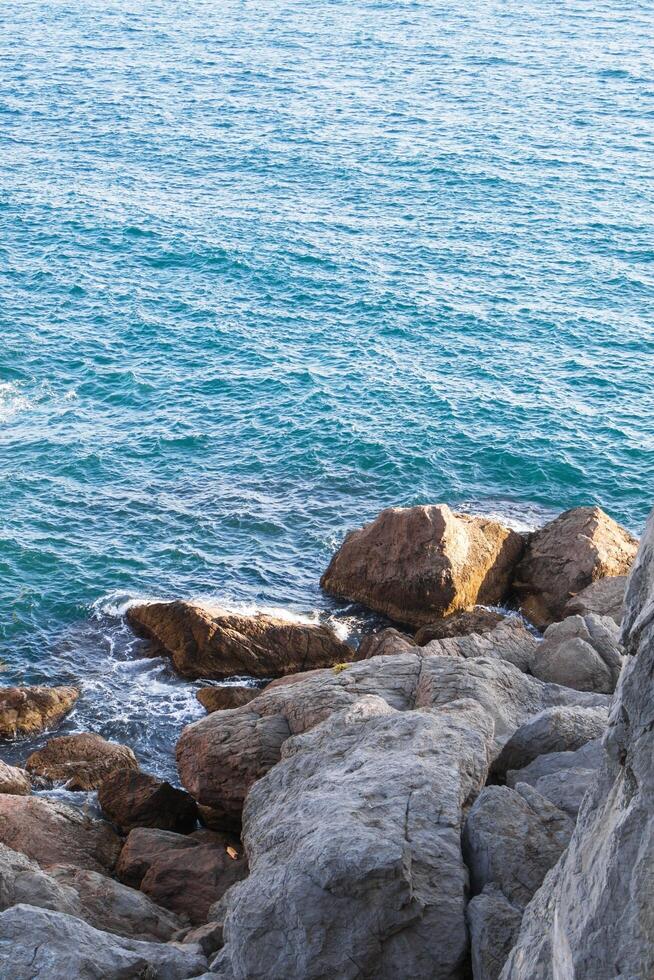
266 268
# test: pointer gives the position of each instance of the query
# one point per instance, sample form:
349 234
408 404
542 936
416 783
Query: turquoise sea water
266 268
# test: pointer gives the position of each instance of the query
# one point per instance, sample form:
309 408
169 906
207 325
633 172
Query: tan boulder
13 780
566 556
208 642
418 564
81 761
29 710
219 698
477 620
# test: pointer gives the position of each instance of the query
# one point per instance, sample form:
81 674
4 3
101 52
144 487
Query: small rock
477 620
30 710
580 652
605 597
135 799
220 698
562 777
388 642
494 924
14 780
81 761
560 729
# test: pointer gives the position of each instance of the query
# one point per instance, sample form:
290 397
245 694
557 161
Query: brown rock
186 875
53 833
477 620
605 597
81 761
14 780
386 642
567 555
213 643
419 564
135 799
219 698
28 710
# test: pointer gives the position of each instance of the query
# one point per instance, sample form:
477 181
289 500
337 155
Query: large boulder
567 555
209 642
476 620
53 833
187 876
230 696
14 780
581 652
593 916
80 761
605 597
135 799
558 729
38 943
354 848
30 710
418 564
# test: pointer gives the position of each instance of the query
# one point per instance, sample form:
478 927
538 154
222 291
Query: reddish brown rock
214 643
477 620
29 710
135 799
183 874
418 564
566 556
81 761
13 780
220 698
386 642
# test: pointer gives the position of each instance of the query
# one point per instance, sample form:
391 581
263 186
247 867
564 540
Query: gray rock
494 925
580 652
594 916
354 848
510 640
562 777
38 943
557 729
605 597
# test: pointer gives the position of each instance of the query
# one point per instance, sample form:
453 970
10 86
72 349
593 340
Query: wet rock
560 729
580 652
220 698
81 761
605 597
388 642
567 555
50 833
593 916
14 780
30 710
354 844
135 799
418 564
36 942
563 778
477 620
186 876
494 924
213 643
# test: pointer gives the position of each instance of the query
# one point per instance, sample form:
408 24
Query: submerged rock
219 698
605 597
418 564
30 710
580 652
477 620
81 761
135 799
565 556
216 644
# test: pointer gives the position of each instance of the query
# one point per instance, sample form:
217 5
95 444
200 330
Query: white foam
12 401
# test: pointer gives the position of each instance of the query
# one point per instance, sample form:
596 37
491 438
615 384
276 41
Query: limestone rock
135 799
605 597
477 620
354 848
53 833
37 943
208 642
580 652
494 924
563 778
418 564
219 698
560 729
30 710
13 780
81 761
567 555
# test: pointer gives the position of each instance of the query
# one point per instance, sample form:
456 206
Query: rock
208 937
53 833
135 799
81 761
510 641
560 729
567 555
580 652
563 778
219 698
15 781
593 916
38 943
213 643
30 710
494 925
187 878
418 564
354 847
511 839
388 642
477 620
605 597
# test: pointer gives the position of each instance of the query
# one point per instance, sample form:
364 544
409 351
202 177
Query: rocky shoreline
468 793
